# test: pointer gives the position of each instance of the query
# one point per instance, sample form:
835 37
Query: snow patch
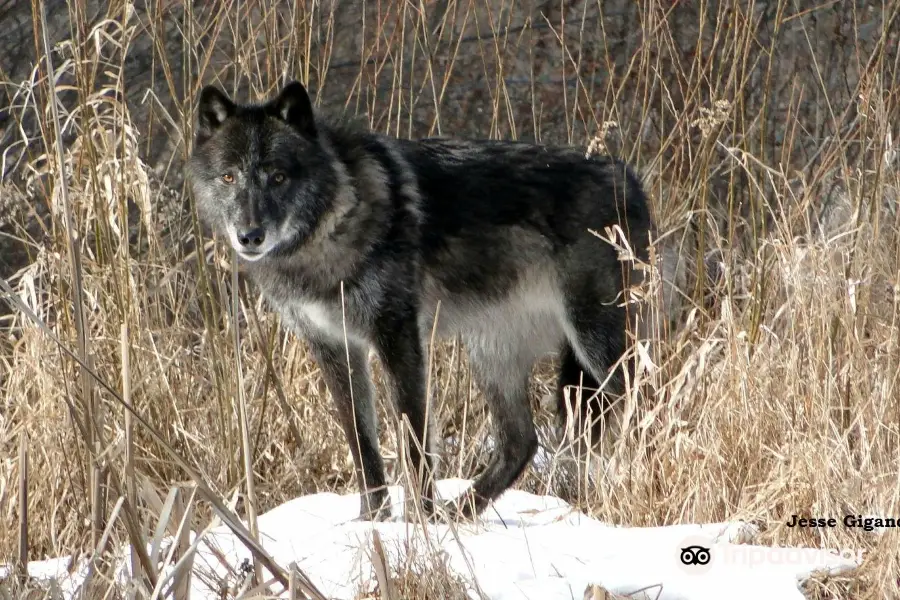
524 547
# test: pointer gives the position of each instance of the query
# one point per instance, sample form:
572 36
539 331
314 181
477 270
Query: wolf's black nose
254 237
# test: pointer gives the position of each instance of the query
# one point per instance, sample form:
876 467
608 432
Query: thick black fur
355 237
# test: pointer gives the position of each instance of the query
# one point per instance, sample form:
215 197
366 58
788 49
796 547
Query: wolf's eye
278 178
228 178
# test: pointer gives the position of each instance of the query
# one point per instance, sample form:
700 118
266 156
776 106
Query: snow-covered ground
524 547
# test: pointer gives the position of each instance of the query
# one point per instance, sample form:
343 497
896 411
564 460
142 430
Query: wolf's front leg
401 352
350 385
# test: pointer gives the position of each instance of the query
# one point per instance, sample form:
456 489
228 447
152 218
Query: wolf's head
259 172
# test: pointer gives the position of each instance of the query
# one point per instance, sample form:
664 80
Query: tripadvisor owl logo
694 555
697 555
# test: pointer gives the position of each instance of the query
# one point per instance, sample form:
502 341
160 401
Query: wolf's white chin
250 257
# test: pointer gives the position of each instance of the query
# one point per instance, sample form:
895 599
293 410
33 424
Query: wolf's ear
214 108
294 108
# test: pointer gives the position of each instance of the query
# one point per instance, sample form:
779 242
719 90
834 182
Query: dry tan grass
776 394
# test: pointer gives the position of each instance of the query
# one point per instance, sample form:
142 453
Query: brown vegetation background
768 135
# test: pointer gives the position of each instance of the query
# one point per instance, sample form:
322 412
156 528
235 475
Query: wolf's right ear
294 108
214 108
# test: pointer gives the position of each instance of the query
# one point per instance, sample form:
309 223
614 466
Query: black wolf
360 241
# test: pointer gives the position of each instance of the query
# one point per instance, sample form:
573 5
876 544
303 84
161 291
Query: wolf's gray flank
338 223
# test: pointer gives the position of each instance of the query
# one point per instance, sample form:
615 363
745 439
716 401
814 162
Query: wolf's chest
310 307
349 315
326 319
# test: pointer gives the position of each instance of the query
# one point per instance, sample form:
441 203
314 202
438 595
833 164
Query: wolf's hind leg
503 379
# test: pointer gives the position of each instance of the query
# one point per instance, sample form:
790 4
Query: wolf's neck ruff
360 236
348 234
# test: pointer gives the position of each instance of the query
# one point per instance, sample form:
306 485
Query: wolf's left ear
294 108
214 108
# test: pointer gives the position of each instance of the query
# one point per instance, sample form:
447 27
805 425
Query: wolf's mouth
250 255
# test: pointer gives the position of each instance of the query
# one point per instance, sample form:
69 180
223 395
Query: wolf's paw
465 508
374 506
376 516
